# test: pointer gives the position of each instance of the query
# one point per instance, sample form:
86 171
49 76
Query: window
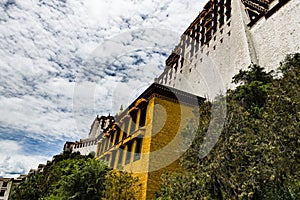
120 160
143 116
128 153
101 147
4 184
221 18
166 78
2 193
98 149
228 9
133 122
107 158
138 148
192 50
202 34
110 140
113 159
117 135
126 122
188 40
181 62
175 65
106 144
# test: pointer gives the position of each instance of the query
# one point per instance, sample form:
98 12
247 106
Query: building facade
7 185
146 138
229 35
89 145
226 36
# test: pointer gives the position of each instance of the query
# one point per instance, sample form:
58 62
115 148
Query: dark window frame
128 153
138 149
2 193
5 183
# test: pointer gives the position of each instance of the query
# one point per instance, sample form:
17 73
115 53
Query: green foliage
39 184
252 94
73 176
84 180
121 186
31 188
290 66
254 73
257 155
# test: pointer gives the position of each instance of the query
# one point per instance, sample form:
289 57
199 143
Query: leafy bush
77 177
257 155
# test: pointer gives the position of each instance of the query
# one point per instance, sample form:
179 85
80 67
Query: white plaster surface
266 43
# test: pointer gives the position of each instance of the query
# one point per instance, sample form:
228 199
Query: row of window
203 31
124 155
199 35
128 127
256 8
85 144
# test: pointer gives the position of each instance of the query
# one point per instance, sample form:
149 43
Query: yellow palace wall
161 141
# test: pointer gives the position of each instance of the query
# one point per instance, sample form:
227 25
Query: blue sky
63 62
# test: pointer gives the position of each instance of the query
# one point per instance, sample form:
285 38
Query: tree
73 176
58 178
257 155
86 181
121 185
252 93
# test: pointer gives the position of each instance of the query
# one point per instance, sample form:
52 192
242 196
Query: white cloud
45 53
13 162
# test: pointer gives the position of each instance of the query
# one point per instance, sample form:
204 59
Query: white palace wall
278 35
232 43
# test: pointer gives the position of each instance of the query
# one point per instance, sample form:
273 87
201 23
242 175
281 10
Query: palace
145 138
226 36
229 35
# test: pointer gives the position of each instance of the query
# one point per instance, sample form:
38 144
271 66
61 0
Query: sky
63 62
